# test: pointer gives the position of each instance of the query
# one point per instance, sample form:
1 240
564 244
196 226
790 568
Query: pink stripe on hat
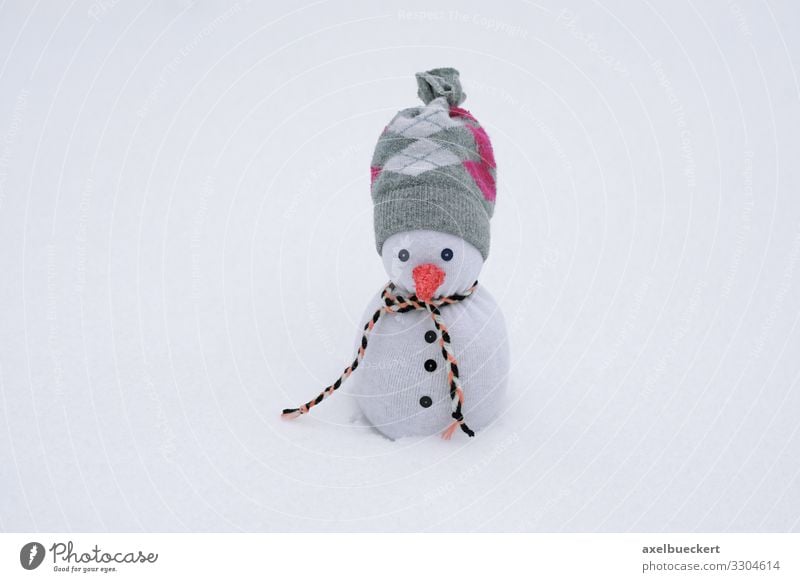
374 172
483 178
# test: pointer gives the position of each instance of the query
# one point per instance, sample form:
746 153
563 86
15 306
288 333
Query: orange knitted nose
427 279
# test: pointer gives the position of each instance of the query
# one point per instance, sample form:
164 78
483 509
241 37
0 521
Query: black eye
447 254
425 401
403 255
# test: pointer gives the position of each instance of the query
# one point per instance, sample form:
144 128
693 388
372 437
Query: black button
430 336
425 401
447 254
403 255
430 365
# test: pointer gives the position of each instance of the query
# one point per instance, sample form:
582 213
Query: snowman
433 352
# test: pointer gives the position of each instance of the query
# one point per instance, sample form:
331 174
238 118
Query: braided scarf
399 304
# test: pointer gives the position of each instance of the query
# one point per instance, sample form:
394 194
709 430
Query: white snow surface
186 248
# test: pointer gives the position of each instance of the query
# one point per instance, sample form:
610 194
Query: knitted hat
433 167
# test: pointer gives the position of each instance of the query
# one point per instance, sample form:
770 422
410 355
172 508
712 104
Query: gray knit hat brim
433 207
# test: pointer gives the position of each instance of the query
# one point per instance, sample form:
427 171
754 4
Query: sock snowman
438 348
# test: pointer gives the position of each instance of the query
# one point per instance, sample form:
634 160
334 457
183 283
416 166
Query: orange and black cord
399 304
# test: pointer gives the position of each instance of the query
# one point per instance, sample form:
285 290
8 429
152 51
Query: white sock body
402 383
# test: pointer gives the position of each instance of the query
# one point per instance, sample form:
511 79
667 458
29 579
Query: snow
186 248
